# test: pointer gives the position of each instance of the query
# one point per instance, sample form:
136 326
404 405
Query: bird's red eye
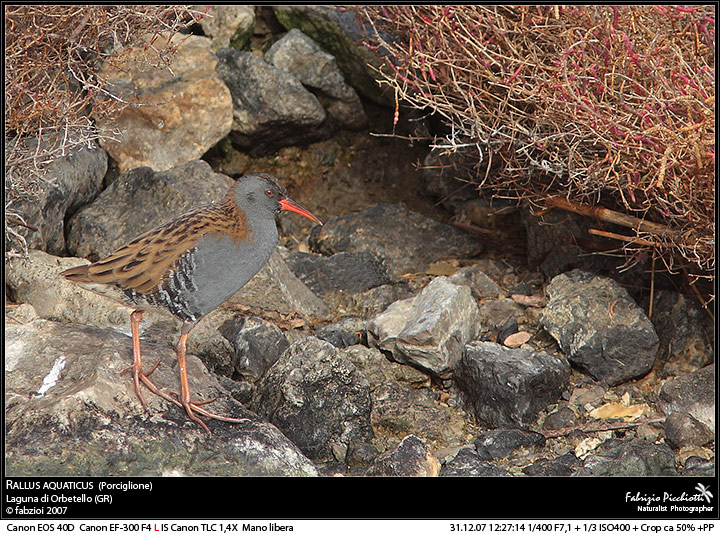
269 192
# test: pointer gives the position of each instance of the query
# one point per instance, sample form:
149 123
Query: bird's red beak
291 206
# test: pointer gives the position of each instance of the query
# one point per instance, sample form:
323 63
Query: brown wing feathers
144 263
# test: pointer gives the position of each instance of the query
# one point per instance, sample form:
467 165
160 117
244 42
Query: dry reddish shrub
595 104
52 88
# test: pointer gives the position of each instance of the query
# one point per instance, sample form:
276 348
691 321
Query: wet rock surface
388 342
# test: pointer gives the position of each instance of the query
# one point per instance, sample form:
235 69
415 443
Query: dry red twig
594 103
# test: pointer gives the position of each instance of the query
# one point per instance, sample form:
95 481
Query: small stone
258 344
410 458
344 333
23 313
429 330
468 463
585 394
479 283
509 386
561 418
496 313
517 339
500 443
228 25
683 430
699 467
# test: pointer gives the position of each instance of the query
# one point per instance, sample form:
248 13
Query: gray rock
699 467
693 394
563 417
378 370
686 333
71 410
430 329
500 443
139 200
565 465
682 430
467 463
337 31
258 345
370 302
406 241
509 386
182 111
479 283
617 458
410 458
496 313
230 26
274 293
344 333
599 327
275 288
354 272
73 180
271 108
36 280
398 410
298 55
318 399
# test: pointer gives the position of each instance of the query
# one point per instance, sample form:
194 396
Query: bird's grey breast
221 265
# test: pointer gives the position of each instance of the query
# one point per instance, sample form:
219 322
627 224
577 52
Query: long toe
189 409
212 415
